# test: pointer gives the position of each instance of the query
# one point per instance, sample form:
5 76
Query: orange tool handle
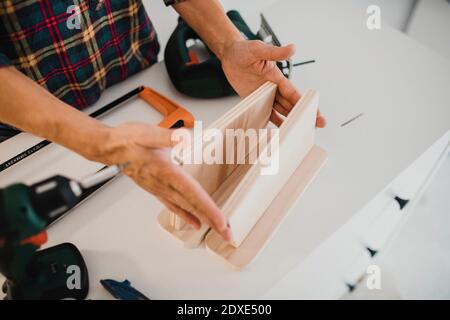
174 114
37 240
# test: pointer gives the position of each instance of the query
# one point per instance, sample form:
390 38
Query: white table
423 239
400 86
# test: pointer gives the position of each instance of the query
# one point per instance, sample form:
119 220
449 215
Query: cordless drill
58 272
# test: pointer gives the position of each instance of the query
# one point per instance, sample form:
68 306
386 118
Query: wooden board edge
305 109
175 221
250 248
189 239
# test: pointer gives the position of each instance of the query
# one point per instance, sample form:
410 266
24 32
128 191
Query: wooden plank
253 112
233 186
266 226
255 192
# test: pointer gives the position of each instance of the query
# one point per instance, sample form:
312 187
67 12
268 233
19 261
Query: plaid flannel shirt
113 40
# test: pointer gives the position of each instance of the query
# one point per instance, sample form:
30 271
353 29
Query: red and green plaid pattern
116 39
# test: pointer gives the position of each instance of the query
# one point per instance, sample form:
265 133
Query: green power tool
204 78
25 212
58 272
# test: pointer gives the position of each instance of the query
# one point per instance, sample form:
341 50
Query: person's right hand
142 147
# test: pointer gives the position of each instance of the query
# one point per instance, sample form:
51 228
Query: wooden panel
253 112
272 217
237 189
256 191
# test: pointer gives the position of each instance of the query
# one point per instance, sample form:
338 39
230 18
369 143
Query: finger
275 118
183 214
321 121
280 109
265 51
169 197
287 105
288 91
180 200
199 199
156 137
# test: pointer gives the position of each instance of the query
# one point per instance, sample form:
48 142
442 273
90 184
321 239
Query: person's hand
248 64
144 149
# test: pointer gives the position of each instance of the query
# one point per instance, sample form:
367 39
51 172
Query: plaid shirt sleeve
172 2
76 56
4 61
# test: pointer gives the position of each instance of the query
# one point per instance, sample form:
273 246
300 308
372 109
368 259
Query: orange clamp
175 116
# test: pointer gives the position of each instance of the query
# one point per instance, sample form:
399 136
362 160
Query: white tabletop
401 88
423 239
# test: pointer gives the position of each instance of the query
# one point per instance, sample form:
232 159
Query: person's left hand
248 64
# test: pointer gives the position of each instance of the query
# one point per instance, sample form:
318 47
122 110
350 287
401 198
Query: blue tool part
122 290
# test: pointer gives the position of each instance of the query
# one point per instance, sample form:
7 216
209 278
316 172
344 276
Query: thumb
156 137
265 51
